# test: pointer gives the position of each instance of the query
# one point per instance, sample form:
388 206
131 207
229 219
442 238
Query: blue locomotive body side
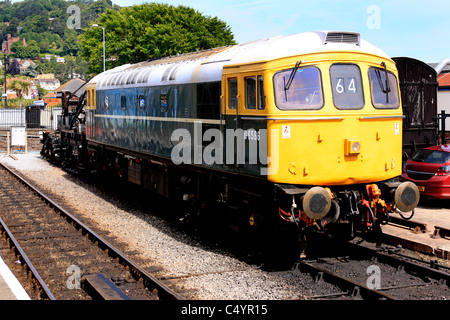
146 120
142 119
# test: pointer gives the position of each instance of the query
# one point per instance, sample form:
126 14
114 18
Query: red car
429 169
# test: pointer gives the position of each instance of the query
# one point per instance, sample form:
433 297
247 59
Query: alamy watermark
74 279
74 21
374 20
241 147
374 279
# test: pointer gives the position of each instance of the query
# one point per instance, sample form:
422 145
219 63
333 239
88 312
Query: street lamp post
6 90
103 28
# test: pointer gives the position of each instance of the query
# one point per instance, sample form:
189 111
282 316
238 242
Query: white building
48 81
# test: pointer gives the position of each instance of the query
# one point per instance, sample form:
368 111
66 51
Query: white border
12 282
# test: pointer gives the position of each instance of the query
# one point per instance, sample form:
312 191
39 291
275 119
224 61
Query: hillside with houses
39 49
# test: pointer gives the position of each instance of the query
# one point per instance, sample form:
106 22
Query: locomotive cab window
254 93
347 86
384 93
298 89
232 94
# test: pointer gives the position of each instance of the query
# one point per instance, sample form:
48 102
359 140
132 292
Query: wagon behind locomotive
418 88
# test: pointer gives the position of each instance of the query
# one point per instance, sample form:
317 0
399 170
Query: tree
31 50
19 86
19 49
70 42
91 12
70 67
81 67
149 31
13 67
31 71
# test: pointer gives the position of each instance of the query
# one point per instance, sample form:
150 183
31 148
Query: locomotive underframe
272 215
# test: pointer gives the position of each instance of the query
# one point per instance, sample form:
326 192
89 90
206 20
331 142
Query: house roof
444 80
49 80
435 64
74 86
46 76
51 94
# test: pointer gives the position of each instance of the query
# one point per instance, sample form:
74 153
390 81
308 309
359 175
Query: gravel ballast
220 276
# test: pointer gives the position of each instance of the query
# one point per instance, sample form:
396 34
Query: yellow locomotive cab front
338 123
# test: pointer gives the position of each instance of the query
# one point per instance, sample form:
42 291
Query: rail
150 282
45 291
362 271
348 285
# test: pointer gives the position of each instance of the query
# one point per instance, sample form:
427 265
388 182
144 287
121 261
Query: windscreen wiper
388 87
287 84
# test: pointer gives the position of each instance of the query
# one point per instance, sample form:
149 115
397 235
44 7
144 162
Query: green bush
15 103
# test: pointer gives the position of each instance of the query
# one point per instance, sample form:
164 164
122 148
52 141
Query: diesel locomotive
276 136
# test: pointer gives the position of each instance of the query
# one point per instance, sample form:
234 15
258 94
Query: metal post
443 116
8 143
6 90
104 56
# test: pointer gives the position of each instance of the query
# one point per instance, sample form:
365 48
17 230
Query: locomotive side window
141 100
123 102
88 98
208 100
106 103
384 93
163 102
250 93
261 96
232 94
347 86
254 93
298 89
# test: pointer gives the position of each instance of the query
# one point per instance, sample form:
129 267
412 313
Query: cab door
254 123
230 111
244 118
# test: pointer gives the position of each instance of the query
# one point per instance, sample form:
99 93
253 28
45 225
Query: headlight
356 147
352 146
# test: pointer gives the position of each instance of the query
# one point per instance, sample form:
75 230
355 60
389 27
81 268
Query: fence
31 118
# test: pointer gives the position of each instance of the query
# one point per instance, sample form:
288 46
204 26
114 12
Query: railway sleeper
44 237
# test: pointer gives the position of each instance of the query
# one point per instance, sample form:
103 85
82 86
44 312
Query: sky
419 29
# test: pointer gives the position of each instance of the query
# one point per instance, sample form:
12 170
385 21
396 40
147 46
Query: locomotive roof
207 65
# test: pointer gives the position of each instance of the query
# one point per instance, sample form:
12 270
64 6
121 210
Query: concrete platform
10 287
432 213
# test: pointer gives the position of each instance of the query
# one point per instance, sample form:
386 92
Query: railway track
62 255
336 274
361 272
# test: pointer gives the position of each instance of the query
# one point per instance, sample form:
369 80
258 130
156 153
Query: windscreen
298 89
